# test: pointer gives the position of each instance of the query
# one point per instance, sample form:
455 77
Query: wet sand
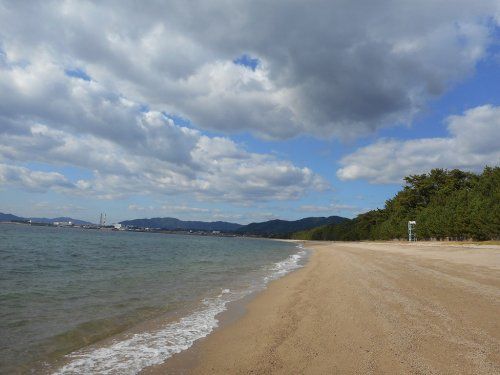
365 308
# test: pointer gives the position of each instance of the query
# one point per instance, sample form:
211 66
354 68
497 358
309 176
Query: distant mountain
44 220
62 218
10 217
284 228
272 228
170 223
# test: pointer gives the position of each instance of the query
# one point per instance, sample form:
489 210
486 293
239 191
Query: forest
446 204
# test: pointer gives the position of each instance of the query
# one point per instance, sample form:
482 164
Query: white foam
131 355
282 268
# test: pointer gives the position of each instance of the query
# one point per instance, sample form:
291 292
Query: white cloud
336 68
138 207
50 117
65 208
184 209
129 151
119 170
330 209
472 144
33 180
169 208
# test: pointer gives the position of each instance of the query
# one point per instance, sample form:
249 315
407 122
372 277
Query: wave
131 355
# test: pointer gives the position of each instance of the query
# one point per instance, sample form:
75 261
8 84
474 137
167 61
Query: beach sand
365 308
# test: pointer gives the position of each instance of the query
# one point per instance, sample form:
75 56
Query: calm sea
78 301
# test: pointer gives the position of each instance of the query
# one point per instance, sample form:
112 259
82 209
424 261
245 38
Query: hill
170 223
44 220
284 228
453 205
10 217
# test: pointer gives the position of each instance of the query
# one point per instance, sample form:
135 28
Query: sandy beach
365 308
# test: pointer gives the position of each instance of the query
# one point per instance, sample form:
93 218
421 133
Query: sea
80 301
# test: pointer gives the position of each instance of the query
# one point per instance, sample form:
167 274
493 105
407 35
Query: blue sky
224 112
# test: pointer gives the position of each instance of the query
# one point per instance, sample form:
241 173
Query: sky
240 111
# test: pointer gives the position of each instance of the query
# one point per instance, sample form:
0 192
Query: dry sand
365 308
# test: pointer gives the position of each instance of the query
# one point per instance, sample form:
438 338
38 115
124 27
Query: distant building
62 223
117 226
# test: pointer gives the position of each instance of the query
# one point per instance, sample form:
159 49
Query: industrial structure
102 220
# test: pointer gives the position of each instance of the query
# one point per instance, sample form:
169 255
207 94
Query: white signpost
412 235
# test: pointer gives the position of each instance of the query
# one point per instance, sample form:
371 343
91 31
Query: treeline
453 205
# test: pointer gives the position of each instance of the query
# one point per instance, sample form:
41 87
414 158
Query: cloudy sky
240 110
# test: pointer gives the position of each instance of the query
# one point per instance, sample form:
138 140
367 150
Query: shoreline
174 332
363 308
186 360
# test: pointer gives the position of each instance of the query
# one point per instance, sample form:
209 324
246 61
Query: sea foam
131 355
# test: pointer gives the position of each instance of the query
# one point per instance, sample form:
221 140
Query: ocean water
78 301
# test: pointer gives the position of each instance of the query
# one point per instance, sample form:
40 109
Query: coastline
155 340
363 308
